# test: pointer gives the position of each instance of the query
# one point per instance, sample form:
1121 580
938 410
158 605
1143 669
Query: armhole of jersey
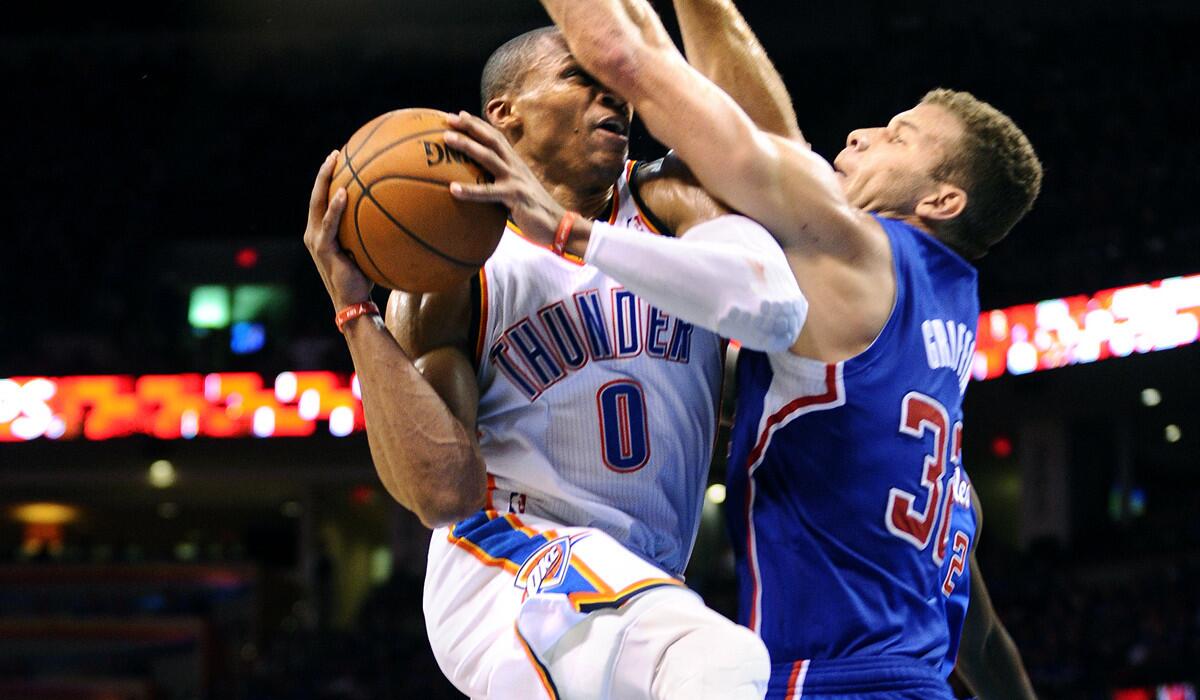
647 214
880 345
479 312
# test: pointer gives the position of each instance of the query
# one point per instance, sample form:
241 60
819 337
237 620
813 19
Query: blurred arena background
187 505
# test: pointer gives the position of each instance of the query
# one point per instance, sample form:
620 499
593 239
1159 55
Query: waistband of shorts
862 674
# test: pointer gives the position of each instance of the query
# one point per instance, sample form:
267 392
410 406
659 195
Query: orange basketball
401 225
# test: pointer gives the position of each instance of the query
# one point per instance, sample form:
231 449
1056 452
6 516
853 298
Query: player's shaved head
508 64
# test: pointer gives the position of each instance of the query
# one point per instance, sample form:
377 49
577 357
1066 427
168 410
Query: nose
858 140
609 99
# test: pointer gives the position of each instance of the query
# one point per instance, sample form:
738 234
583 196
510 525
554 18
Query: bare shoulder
423 322
667 190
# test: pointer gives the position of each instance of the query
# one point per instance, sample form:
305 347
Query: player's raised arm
424 451
720 44
781 183
750 292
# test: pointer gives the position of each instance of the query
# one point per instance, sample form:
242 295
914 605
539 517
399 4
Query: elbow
444 502
448 509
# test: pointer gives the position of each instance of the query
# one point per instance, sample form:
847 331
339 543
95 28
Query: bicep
673 196
435 331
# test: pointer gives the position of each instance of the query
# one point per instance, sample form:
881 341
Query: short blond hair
996 165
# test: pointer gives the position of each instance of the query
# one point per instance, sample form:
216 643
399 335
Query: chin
611 162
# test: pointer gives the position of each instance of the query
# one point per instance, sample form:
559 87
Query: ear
499 112
944 203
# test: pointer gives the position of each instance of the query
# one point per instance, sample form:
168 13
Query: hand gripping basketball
343 280
515 185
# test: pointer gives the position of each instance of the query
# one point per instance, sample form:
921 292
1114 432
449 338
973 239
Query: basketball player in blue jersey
854 520
552 428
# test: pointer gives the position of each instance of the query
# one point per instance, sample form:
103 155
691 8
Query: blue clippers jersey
849 507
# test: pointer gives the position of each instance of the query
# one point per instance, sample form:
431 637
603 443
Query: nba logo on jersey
546 568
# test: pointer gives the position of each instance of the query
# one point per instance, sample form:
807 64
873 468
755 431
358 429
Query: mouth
614 125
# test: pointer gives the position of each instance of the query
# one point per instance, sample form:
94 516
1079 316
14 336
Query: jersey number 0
624 436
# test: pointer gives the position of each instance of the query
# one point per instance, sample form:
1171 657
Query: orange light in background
168 407
43 513
43 526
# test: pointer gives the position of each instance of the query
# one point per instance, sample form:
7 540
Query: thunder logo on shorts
541 561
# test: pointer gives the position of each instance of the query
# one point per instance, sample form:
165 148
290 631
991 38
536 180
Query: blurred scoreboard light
168 407
1080 329
1017 340
247 337
1168 691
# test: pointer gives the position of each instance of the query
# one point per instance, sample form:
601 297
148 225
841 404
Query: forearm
736 280
762 176
721 45
423 454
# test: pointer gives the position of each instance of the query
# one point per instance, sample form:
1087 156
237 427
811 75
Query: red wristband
564 231
354 311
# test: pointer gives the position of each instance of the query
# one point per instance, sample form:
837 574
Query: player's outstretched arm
423 452
988 659
781 183
749 294
720 44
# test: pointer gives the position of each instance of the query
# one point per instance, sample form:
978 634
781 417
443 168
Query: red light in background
1002 446
362 495
246 258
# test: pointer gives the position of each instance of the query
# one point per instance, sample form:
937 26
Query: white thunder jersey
596 409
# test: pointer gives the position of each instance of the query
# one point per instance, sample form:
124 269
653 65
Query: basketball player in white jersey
554 429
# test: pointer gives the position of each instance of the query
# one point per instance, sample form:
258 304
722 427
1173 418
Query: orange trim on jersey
589 575
482 556
491 486
616 203
481 332
542 673
569 257
641 215
796 680
518 525
578 600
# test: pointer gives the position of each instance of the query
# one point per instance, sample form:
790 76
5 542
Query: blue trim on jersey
496 537
836 530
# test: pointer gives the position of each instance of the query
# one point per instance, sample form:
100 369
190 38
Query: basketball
401 225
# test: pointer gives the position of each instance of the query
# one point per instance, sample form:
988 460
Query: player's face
568 118
889 168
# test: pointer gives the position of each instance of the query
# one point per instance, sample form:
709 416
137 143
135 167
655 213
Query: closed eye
579 74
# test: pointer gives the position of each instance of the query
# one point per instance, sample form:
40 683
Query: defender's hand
343 280
515 185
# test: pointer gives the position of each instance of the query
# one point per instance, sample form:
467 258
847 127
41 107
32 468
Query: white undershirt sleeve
727 275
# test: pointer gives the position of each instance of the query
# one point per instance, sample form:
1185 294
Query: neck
909 218
592 203
586 193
